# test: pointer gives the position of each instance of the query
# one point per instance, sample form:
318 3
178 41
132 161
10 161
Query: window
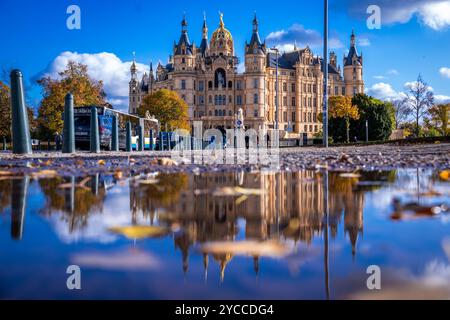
336 90
230 100
255 113
183 84
293 116
309 102
304 87
239 85
284 87
315 117
183 97
230 84
355 91
315 103
255 98
210 84
304 116
315 88
293 87
255 83
183 60
343 91
293 101
306 128
239 100
216 113
285 116
309 88
195 85
195 100
210 99
309 117
284 101
201 86
201 100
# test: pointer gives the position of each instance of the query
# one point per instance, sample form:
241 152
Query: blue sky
414 37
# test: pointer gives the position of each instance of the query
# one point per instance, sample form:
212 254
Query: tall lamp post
276 88
325 76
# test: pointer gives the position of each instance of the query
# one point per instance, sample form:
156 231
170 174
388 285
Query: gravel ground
378 157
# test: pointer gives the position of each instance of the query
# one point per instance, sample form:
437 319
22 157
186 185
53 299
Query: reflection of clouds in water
115 212
123 260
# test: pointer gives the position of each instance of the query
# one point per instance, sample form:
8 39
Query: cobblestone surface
378 157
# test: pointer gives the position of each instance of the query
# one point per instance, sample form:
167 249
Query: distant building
206 78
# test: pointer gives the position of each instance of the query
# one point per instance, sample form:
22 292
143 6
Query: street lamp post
276 89
367 131
325 76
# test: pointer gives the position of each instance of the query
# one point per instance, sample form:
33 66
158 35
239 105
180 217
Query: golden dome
222 38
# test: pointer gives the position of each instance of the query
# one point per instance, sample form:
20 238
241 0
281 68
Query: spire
221 24
255 23
204 45
255 46
133 68
184 24
205 27
353 52
353 39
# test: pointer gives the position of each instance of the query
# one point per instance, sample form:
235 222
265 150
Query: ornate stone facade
206 77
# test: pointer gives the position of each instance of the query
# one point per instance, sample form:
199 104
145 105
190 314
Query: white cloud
379 77
434 14
393 72
104 66
445 72
364 42
439 98
286 38
384 91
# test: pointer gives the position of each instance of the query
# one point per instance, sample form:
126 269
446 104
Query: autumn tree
342 107
74 79
419 98
5 111
167 107
439 118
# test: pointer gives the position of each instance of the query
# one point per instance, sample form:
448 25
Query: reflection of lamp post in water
276 88
326 240
18 202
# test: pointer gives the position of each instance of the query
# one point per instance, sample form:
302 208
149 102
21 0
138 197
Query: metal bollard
151 140
69 126
161 141
128 137
115 134
20 128
141 142
95 136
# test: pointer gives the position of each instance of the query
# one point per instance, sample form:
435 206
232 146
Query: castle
206 77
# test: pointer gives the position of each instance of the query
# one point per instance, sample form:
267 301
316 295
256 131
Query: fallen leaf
350 175
101 162
445 175
247 248
140 232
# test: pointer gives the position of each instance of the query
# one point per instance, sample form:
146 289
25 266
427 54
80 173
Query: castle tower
183 51
353 70
134 94
255 71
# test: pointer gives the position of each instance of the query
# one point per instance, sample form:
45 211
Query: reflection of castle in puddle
286 206
289 206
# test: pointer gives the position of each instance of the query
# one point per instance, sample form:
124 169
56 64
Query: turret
204 45
183 51
353 70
